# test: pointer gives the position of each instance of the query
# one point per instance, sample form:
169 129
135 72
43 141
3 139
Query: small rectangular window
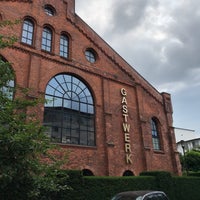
46 39
64 46
27 32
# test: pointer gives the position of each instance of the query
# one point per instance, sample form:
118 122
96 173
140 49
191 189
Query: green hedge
186 188
103 188
194 174
163 181
99 188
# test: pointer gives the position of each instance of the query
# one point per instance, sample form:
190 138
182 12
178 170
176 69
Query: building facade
186 140
112 121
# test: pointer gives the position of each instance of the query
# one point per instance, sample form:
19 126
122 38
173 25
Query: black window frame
90 55
28 31
9 89
47 39
49 10
155 132
69 114
64 46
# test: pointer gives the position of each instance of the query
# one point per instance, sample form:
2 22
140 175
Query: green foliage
163 180
155 173
192 159
28 170
98 188
105 187
6 40
185 188
197 174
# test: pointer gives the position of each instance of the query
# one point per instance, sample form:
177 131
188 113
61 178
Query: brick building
107 115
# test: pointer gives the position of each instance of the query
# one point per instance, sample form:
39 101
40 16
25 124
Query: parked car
141 195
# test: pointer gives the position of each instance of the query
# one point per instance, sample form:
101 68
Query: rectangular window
27 32
64 46
47 39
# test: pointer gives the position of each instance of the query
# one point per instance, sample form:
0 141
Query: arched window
7 79
90 55
87 172
69 111
64 46
27 32
155 134
47 39
49 10
128 173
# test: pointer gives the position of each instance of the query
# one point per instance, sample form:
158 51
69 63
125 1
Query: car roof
137 193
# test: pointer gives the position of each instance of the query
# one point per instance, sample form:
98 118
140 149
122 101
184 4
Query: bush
194 174
98 188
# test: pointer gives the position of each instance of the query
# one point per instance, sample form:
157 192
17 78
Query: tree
28 168
192 159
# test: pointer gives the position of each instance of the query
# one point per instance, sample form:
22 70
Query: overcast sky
161 40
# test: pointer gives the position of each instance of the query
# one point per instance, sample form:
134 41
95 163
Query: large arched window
7 79
69 111
155 134
47 39
27 32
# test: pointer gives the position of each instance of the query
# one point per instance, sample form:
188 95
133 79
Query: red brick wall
34 68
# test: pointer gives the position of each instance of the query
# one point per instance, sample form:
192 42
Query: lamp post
184 159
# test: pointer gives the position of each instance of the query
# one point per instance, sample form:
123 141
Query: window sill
75 145
158 151
67 59
48 52
27 45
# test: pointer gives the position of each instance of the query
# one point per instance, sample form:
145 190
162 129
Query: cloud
160 39
129 14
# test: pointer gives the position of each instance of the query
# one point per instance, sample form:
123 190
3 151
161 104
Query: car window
126 198
162 197
156 197
151 197
123 198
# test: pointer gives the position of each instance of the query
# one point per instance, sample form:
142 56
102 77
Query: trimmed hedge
99 188
194 174
186 188
103 188
163 180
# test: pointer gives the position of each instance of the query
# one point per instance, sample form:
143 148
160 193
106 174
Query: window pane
27 32
64 46
49 10
90 56
76 118
155 135
46 39
7 89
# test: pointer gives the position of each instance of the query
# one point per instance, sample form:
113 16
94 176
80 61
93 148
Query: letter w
126 127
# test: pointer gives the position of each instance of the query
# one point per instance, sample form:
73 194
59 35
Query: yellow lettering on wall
127 137
125 117
127 147
124 101
128 159
125 109
126 127
123 92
